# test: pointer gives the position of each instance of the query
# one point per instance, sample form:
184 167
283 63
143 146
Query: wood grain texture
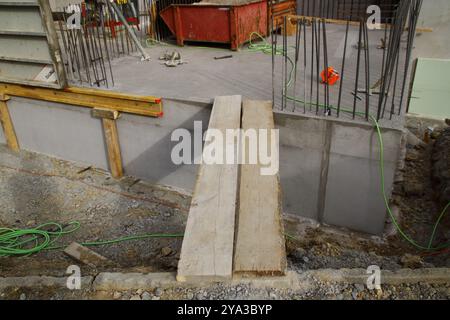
207 250
105 113
89 98
259 246
7 125
86 255
113 147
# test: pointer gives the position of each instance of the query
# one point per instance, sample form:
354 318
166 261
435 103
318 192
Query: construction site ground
36 189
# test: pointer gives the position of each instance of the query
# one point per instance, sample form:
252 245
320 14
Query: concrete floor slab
249 73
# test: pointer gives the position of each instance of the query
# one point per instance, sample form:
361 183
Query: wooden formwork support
109 118
89 98
106 105
7 125
112 143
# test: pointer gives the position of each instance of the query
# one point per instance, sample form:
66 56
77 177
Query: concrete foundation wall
146 144
71 133
66 132
301 149
353 196
329 168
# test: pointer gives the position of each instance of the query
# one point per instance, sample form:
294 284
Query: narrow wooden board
113 147
89 98
7 125
207 250
86 255
259 246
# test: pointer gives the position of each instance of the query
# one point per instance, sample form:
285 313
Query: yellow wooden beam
7 125
90 98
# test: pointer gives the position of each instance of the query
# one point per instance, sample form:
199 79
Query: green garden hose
24 242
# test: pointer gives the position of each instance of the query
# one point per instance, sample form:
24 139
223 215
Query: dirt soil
36 189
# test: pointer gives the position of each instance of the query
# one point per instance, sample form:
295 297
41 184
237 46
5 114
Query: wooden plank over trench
259 246
207 250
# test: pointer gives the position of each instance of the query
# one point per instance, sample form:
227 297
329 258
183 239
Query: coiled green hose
24 242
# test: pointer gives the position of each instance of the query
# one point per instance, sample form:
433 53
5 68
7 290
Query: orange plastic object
331 78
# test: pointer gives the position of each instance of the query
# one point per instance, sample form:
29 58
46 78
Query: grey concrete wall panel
301 147
300 181
58 130
146 144
353 195
330 170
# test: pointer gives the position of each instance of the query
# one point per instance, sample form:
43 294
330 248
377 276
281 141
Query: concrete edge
410 276
417 116
40 281
348 122
199 102
292 280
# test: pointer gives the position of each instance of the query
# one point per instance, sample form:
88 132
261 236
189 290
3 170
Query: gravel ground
315 289
319 290
35 189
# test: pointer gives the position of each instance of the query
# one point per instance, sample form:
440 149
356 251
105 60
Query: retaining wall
329 169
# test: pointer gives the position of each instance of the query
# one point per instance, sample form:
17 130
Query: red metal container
216 23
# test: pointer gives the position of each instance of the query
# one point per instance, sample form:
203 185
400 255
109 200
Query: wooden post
109 118
7 125
112 142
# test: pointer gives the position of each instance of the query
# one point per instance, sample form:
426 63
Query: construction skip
183 150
